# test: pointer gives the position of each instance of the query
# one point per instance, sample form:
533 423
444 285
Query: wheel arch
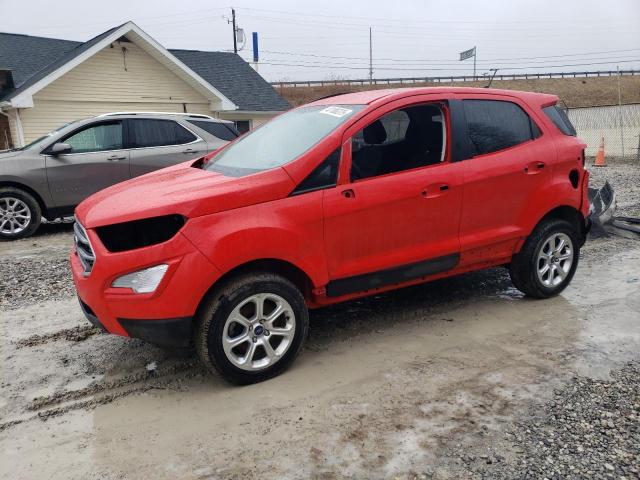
571 215
286 269
29 190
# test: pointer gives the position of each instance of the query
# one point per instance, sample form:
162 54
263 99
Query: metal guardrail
451 79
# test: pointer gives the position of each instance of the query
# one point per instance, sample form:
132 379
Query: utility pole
620 112
370 58
233 21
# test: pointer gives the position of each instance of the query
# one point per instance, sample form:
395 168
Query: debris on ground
602 213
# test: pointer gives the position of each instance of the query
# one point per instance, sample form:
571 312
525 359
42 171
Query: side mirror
60 148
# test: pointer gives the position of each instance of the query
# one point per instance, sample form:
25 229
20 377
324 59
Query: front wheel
253 328
548 260
20 214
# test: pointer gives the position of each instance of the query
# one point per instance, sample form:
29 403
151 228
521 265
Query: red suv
344 197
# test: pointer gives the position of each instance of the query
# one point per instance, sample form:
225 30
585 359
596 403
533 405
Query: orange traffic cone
600 161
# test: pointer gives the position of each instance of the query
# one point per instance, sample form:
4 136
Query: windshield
281 140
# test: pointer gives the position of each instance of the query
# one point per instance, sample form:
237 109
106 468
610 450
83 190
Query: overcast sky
330 39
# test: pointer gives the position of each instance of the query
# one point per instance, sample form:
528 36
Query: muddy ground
434 381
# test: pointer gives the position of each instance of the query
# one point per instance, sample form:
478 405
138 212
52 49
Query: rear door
510 163
394 217
159 143
97 160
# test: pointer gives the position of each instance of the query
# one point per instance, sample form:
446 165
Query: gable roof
32 61
235 78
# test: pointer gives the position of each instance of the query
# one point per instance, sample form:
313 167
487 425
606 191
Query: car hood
181 189
9 154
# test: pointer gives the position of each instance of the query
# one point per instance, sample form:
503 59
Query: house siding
101 84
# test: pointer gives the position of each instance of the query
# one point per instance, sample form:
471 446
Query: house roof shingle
32 58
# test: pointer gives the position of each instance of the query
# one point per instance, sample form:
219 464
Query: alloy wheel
15 215
259 331
555 259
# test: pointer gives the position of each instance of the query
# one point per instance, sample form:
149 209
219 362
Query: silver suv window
158 133
96 138
223 131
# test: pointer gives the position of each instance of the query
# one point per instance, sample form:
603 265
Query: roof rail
178 114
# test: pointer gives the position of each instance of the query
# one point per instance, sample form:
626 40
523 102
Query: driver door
399 221
98 159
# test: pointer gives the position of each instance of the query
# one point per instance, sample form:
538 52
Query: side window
495 125
223 131
158 133
560 120
96 138
404 139
324 175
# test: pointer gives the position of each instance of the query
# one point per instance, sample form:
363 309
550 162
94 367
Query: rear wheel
253 328
548 260
20 214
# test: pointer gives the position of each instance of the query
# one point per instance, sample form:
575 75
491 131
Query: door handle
433 191
348 193
533 167
116 157
190 150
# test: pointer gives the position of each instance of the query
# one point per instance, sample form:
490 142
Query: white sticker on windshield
336 111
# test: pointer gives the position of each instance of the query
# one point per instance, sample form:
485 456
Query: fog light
142 281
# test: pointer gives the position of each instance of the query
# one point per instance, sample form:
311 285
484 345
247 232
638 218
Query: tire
544 248
217 329
15 206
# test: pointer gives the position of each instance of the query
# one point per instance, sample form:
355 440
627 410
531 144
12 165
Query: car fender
288 230
553 194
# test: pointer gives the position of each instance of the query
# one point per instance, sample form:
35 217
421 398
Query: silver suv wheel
259 331
555 259
15 215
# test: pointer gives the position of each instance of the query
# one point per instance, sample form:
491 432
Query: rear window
224 131
158 133
560 119
495 125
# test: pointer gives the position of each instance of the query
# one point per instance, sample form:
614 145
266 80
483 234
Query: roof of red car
370 96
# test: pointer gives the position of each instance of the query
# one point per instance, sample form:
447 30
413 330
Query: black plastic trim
461 147
168 332
391 276
88 313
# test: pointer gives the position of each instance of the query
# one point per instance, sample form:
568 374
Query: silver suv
53 174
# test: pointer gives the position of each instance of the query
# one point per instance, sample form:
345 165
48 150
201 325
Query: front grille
83 248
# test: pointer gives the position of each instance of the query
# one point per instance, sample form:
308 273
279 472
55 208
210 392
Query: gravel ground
30 280
590 429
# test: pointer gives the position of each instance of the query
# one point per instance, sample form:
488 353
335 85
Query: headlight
142 281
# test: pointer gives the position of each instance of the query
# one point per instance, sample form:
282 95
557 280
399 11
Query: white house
45 82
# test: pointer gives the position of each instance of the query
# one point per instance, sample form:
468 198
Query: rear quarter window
494 125
560 120
223 131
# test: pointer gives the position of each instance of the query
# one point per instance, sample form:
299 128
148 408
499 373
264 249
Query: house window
243 126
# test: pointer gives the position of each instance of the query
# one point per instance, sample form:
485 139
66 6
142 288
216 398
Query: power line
404 21
489 60
351 67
